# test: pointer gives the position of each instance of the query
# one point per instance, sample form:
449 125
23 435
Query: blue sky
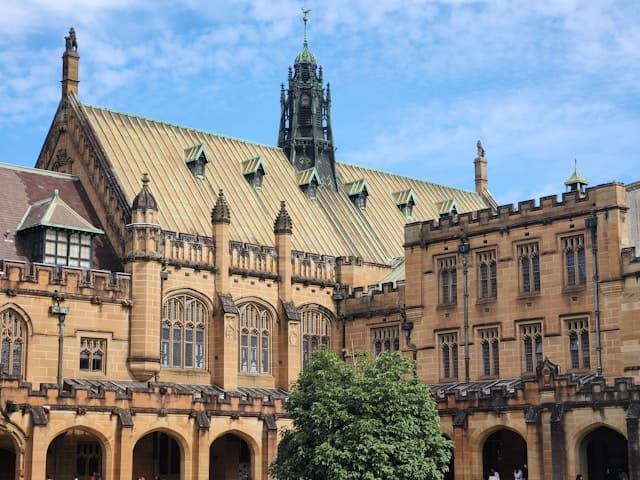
414 83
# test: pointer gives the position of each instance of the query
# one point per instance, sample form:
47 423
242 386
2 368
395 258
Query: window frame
574 261
579 344
449 352
256 324
487 275
92 346
489 342
528 255
183 312
315 331
385 338
13 332
447 269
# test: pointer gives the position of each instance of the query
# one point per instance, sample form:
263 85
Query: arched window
13 333
255 338
316 332
183 332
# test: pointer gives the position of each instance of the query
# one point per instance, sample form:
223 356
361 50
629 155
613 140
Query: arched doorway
157 453
503 450
7 457
230 459
75 452
603 448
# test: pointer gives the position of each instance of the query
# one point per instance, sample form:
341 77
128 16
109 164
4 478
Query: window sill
528 295
485 301
447 306
574 289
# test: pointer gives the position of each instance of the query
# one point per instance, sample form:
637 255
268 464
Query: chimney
70 63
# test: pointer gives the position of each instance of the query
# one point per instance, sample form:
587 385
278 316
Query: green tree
370 421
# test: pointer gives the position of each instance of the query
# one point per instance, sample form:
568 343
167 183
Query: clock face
305 100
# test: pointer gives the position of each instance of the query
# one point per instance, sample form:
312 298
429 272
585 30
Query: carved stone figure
71 42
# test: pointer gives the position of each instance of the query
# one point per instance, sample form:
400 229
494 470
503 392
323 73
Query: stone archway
8 455
600 449
230 459
75 452
157 453
503 450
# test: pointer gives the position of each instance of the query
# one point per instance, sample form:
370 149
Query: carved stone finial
221 212
71 42
283 223
480 149
305 18
145 200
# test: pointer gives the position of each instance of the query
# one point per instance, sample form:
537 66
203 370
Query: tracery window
574 261
316 332
529 268
489 343
385 339
92 353
13 336
256 325
449 352
488 274
579 348
182 345
448 281
531 335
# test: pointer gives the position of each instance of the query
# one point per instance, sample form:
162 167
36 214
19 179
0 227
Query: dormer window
447 207
254 172
196 158
308 181
405 201
358 193
58 235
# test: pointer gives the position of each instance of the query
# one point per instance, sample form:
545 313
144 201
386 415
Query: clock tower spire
305 123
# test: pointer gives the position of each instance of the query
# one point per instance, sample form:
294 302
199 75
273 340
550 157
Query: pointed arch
257 320
13 342
184 328
316 324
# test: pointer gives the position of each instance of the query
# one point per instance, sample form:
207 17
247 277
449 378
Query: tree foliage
370 421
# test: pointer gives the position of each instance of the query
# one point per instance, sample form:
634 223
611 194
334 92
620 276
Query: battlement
127 398
187 250
382 299
23 277
601 197
313 267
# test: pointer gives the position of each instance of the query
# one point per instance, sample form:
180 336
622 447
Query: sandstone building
162 287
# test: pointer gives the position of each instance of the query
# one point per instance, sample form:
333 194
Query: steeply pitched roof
329 224
31 190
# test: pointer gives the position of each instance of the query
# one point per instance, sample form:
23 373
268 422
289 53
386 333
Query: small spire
305 18
283 222
576 181
221 212
144 200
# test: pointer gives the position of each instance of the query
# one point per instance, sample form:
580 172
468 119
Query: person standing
517 474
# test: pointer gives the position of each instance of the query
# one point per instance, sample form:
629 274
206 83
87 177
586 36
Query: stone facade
173 354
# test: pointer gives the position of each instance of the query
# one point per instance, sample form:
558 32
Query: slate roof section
22 188
328 225
55 213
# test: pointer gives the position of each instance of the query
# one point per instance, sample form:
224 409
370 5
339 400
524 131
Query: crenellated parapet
249 259
186 250
630 263
377 300
573 204
313 268
18 277
123 400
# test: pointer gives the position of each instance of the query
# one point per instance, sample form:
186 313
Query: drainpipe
61 312
591 223
338 297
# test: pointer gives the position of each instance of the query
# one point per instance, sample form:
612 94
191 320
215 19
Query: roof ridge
398 175
175 125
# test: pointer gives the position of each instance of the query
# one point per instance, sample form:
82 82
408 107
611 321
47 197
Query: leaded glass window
256 324
579 345
92 354
183 332
316 332
12 349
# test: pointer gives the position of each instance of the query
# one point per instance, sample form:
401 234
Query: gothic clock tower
305 123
